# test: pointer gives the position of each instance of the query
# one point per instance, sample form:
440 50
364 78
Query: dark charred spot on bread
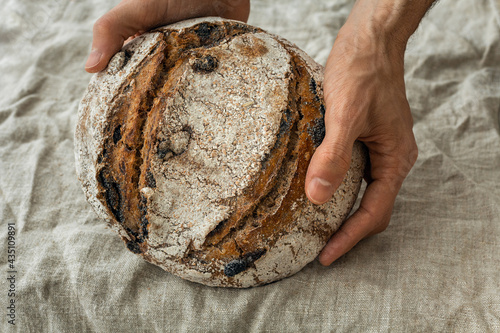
317 131
134 247
143 204
150 179
239 265
236 26
175 145
235 267
210 33
205 64
117 134
301 115
112 194
135 235
204 31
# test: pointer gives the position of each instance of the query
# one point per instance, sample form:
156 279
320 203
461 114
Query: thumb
109 33
113 28
329 164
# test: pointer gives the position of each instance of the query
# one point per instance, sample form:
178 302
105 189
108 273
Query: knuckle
368 215
103 24
380 223
410 154
405 157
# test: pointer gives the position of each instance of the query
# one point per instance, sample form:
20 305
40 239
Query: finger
371 218
109 33
330 162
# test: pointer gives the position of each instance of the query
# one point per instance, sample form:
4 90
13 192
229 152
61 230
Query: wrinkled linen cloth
435 269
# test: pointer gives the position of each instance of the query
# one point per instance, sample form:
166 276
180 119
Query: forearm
387 21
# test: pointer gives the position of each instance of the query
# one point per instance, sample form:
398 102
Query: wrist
369 48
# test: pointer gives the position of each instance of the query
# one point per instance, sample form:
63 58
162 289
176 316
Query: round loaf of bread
194 145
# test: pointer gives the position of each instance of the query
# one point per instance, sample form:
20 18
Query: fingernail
94 57
320 190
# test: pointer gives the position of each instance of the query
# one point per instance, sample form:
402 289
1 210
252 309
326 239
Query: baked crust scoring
194 145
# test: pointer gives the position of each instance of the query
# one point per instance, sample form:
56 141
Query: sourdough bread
194 144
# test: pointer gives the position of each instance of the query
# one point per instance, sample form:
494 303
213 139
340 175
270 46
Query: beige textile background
435 269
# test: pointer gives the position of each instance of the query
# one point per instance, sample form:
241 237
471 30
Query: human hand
133 17
366 100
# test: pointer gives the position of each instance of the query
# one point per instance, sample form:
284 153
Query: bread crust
194 145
